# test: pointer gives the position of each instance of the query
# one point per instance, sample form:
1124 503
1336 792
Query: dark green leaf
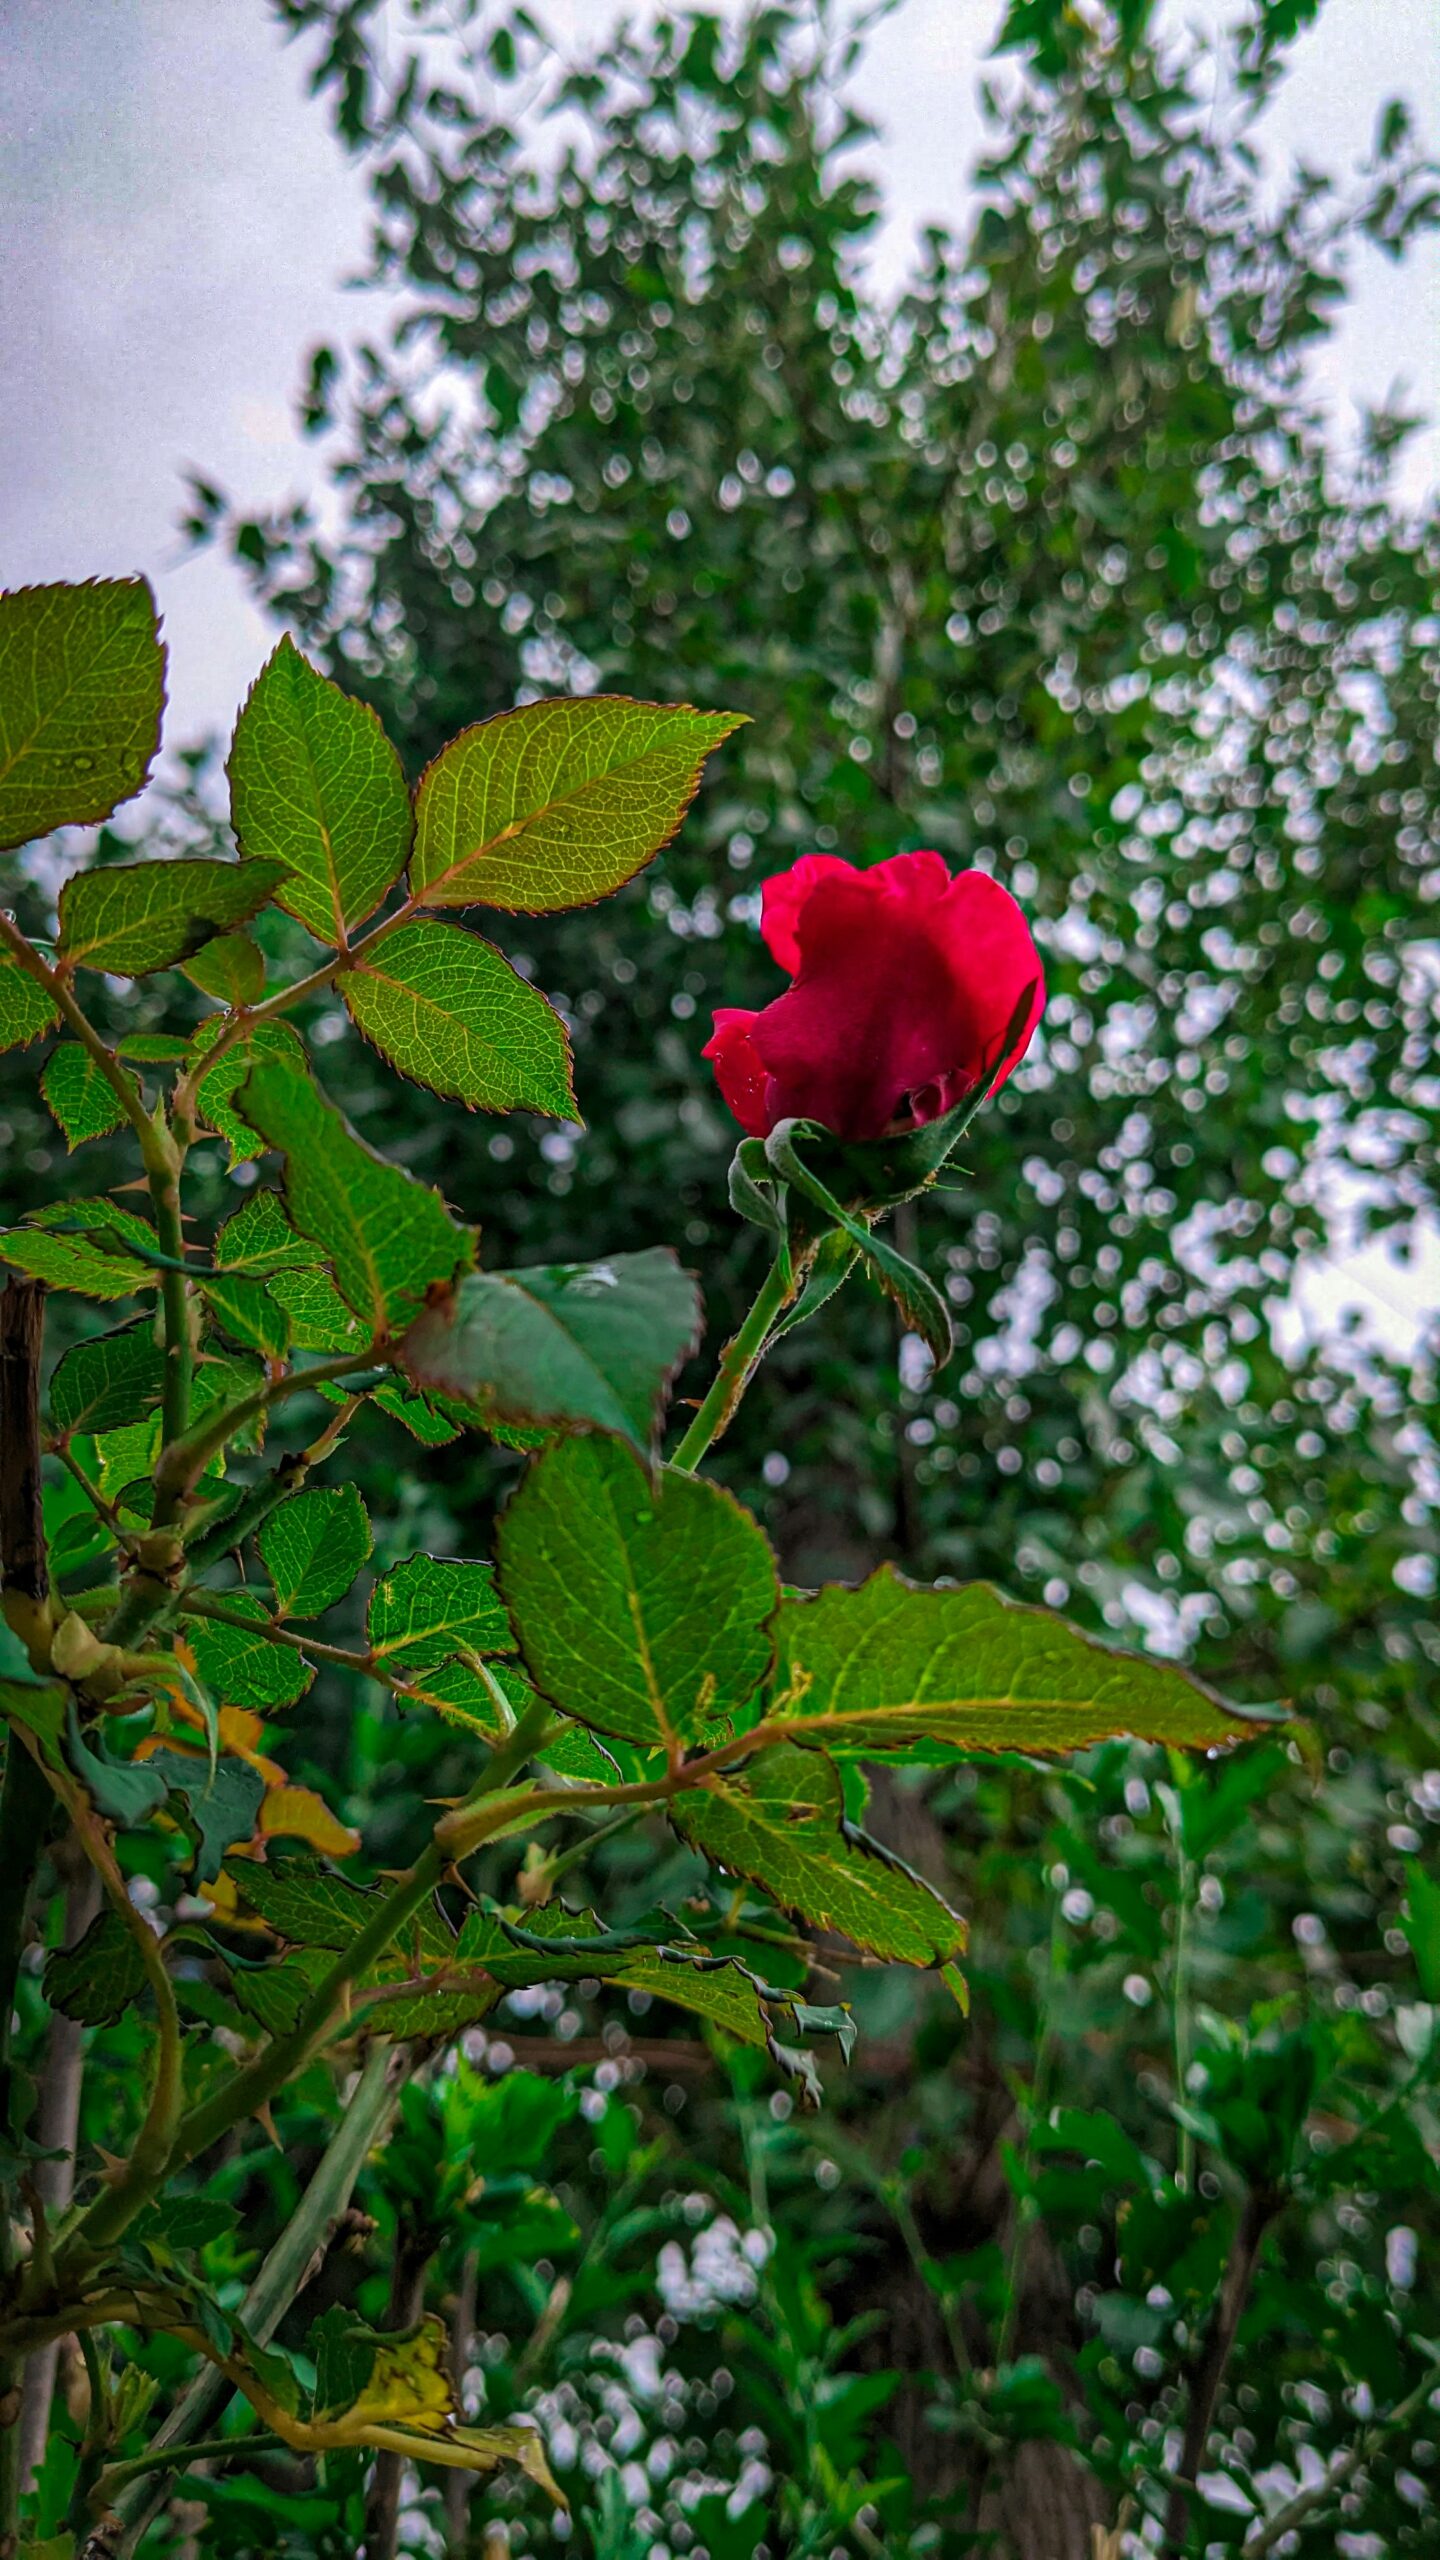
556 804
316 786
107 1381
125 1791
642 1604
313 1547
82 686
244 1670
98 1980
223 1802
448 1011
578 1344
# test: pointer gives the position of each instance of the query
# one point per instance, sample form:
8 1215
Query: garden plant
532 2025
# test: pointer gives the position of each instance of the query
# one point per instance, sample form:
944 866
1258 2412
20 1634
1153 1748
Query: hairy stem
738 1362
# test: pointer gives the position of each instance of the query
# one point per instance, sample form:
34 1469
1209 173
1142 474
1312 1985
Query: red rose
907 986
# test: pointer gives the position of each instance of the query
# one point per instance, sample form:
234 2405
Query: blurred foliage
1050 566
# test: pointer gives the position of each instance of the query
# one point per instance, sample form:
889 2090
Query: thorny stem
738 1362
1180 1975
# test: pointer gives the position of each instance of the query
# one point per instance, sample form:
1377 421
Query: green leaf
725 1995
313 1906
260 1238
82 687
427 1609
230 968
316 786
892 1666
313 1547
578 1344
82 1098
1421 1925
107 1381
223 1802
217 1087
782 1824
643 1605
447 1010
388 1237
125 1791
243 1670
96 1981
557 804
73 1262
317 1315
25 1008
246 1309
134 917
462 1694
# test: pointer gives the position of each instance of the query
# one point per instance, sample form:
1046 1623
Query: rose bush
912 989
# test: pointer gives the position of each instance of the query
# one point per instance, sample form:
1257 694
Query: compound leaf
317 788
782 1823
558 803
578 1344
82 688
642 1605
890 1666
216 1087
447 1010
313 1547
134 917
388 1238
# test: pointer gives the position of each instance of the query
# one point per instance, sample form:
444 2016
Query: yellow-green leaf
133 917
316 786
82 687
448 1011
781 1822
25 1008
892 1666
558 803
82 1098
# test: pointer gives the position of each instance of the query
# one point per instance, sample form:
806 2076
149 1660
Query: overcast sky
179 227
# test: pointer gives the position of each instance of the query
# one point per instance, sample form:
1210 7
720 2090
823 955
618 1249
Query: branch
1256 2215
57 988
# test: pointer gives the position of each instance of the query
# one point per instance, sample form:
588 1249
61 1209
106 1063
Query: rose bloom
910 989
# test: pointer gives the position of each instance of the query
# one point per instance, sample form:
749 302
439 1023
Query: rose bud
909 993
